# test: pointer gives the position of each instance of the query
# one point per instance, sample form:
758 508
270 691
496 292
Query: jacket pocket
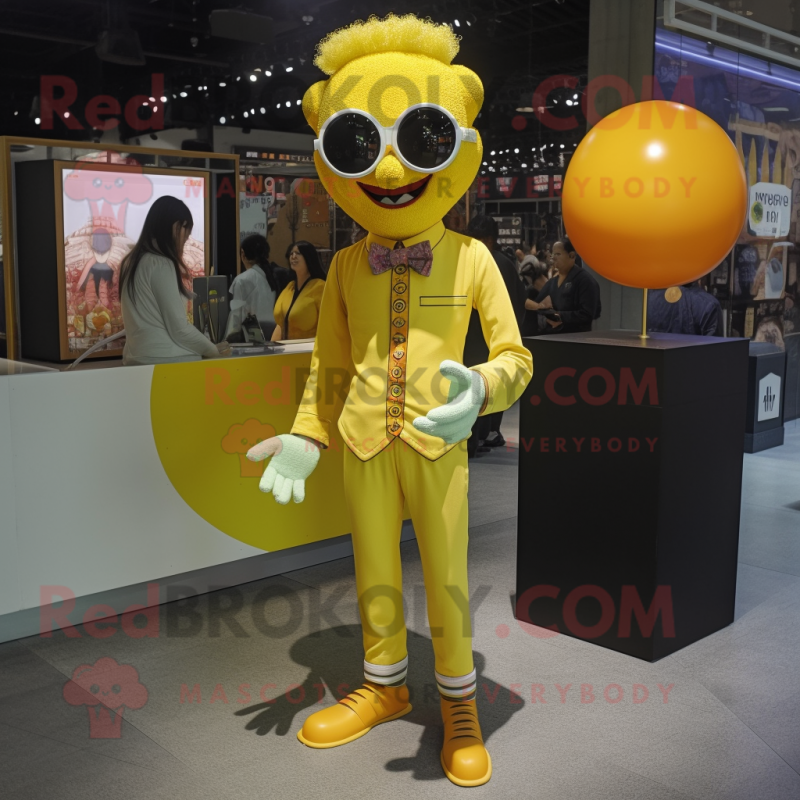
447 300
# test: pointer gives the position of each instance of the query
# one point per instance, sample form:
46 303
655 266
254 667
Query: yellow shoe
355 715
464 758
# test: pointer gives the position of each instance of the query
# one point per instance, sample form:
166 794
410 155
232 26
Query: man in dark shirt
693 311
570 300
476 351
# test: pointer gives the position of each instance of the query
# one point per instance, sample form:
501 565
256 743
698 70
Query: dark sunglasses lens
351 143
426 138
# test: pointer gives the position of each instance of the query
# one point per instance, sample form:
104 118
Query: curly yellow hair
406 34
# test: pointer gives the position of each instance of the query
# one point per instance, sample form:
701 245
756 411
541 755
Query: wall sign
770 210
769 397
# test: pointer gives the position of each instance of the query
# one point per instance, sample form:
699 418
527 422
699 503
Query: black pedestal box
630 479
766 382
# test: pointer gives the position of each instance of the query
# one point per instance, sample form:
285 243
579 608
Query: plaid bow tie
419 257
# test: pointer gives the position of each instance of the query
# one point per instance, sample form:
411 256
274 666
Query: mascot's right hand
293 460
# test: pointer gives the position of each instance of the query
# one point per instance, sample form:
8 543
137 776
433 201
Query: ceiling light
299 102
222 120
253 77
183 94
288 104
38 120
278 106
268 73
263 110
163 99
252 111
524 166
458 24
561 146
238 77
516 149
246 115
289 69
525 110
569 102
492 153
222 84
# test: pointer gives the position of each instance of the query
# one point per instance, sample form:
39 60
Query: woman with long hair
255 290
297 309
153 292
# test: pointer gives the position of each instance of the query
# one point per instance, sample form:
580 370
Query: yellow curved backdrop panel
207 414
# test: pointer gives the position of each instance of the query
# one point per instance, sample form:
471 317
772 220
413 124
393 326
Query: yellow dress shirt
305 311
381 339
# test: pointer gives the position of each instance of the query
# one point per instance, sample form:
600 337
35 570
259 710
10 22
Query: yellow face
385 85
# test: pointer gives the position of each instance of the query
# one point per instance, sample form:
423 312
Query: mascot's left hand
453 421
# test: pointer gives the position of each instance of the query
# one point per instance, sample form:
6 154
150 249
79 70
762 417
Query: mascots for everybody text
396 151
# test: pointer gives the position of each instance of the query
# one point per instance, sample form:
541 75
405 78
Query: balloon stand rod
643 334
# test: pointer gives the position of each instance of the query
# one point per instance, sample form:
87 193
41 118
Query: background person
535 278
486 431
572 293
153 293
297 309
696 312
254 291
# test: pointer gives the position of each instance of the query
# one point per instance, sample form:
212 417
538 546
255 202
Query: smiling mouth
395 198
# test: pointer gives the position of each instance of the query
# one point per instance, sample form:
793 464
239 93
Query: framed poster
100 211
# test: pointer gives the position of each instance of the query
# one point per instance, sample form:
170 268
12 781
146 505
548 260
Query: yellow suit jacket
304 310
357 375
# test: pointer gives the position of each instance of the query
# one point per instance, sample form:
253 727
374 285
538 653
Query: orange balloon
655 195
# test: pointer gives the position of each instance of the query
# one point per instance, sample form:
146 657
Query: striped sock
387 674
458 689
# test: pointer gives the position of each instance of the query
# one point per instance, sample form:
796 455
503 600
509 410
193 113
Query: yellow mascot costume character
396 150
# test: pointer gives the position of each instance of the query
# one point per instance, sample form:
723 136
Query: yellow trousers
436 492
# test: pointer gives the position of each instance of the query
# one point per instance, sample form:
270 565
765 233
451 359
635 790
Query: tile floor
719 720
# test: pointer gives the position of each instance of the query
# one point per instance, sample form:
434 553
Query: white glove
453 421
293 460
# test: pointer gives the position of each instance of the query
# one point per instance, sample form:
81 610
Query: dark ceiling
511 45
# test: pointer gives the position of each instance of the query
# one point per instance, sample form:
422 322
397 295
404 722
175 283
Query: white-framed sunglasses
425 137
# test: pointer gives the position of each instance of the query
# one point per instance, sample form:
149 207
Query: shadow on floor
333 660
